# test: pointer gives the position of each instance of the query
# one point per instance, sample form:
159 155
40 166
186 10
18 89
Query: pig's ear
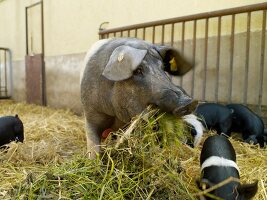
174 63
247 191
122 62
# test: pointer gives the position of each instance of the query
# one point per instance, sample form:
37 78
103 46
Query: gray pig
121 77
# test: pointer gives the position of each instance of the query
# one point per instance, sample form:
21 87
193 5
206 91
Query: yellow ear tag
173 65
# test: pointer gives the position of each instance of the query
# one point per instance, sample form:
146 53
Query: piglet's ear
174 63
122 62
247 191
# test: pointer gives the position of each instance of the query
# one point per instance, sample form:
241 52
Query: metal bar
153 35
182 48
114 34
5 64
42 26
162 35
128 34
135 34
121 33
205 59
231 11
231 59
247 59
194 57
26 25
172 34
262 61
218 59
144 33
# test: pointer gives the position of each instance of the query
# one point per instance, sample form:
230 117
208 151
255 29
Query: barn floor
51 163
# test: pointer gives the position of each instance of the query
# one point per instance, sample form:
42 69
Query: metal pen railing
158 29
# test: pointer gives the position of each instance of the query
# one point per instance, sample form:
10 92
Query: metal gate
230 64
6 86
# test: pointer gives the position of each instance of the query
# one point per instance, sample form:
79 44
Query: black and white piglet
216 117
248 123
196 129
218 163
11 129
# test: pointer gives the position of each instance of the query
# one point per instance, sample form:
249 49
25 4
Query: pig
218 163
215 116
248 123
121 77
11 129
195 127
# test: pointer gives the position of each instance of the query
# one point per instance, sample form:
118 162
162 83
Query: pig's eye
138 71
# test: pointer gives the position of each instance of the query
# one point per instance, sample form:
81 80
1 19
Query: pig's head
230 191
140 79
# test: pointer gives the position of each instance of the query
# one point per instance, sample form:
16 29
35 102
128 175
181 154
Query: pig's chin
185 109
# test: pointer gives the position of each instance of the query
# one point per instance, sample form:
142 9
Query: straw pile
146 161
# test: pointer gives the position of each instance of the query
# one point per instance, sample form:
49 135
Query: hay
148 162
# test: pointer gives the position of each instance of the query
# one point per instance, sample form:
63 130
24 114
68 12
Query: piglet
216 117
218 163
11 129
248 123
196 129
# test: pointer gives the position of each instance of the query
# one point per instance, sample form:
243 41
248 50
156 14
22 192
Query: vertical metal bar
42 27
247 59
135 34
5 64
182 49
144 33
153 35
218 59
26 24
162 35
128 34
114 34
172 34
121 33
205 59
262 61
231 58
194 57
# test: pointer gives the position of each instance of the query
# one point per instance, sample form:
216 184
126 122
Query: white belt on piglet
218 161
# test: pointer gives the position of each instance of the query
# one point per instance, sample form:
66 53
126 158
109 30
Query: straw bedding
148 160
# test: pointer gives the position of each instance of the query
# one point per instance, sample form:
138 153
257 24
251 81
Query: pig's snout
185 109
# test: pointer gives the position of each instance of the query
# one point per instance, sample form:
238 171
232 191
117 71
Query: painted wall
71 27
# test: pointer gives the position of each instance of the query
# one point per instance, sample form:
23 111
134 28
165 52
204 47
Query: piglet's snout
187 108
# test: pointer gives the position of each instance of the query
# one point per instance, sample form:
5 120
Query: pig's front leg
95 124
92 139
